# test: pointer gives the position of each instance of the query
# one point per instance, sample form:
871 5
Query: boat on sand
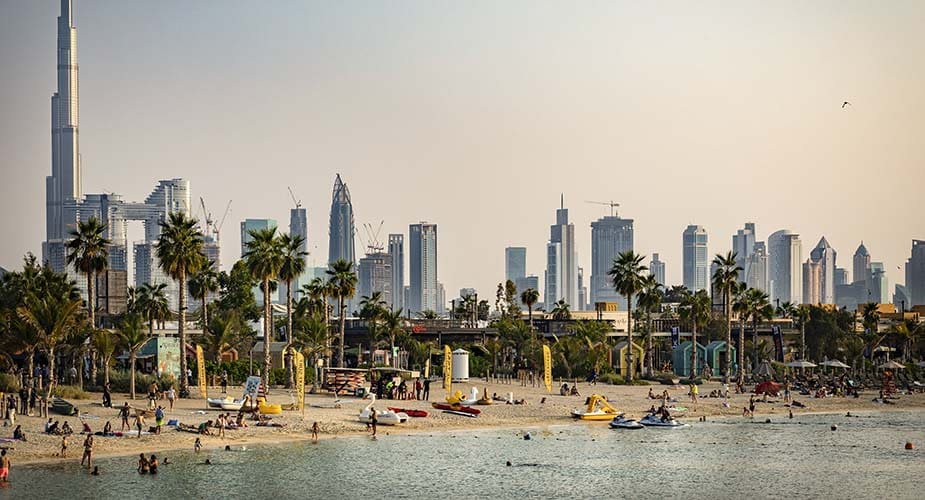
598 408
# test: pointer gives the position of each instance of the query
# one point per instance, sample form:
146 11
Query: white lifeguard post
460 365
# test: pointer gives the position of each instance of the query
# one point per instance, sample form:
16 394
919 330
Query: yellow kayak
268 409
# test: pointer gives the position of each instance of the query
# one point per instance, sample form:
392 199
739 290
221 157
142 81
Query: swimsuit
4 473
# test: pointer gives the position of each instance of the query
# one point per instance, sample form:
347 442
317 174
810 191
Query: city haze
476 117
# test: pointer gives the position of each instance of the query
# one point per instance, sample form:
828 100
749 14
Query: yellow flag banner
447 368
547 368
300 379
201 365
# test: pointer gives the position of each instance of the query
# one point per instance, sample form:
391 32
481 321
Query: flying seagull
846 103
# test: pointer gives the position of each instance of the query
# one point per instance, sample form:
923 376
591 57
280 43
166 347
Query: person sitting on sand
142 464
86 427
574 391
66 428
48 427
107 429
564 391
18 434
239 421
651 394
204 428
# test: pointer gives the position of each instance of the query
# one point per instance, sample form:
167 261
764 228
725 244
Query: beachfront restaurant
681 358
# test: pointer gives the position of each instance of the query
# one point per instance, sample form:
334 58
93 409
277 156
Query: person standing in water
142 464
315 432
63 453
4 467
88 451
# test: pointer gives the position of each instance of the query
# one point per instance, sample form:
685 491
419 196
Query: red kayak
457 407
410 413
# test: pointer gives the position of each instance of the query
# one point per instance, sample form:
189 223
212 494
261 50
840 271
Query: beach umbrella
891 365
801 364
764 369
834 363
767 388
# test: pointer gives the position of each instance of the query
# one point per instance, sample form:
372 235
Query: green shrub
615 379
70 392
9 383
278 376
120 381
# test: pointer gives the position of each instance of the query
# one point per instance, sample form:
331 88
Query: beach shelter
764 369
621 356
681 358
892 365
802 363
770 388
716 356
834 363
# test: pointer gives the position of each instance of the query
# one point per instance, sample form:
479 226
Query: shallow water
722 459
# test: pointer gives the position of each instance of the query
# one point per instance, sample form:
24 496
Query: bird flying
846 103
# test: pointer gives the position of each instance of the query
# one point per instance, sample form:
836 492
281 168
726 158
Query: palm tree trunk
205 312
327 330
741 352
530 315
629 328
755 342
340 349
289 362
181 330
131 359
728 339
266 333
693 368
91 313
29 381
51 374
649 346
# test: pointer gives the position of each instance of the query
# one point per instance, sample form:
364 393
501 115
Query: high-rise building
298 226
825 256
561 260
657 269
397 252
515 263
841 276
756 268
342 229
582 291
248 225
441 300
915 273
878 286
743 244
64 186
861 264
901 298
374 274
812 282
611 235
785 270
696 263
422 239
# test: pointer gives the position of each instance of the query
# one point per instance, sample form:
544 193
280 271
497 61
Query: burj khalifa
63 188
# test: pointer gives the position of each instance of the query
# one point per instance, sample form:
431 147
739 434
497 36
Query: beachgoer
694 391
18 433
63 453
221 426
224 382
417 388
124 413
315 429
152 465
197 446
142 464
426 395
159 419
88 451
171 397
651 394
107 397
139 423
373 419
4 467
107 429
66 428
48 426
167 461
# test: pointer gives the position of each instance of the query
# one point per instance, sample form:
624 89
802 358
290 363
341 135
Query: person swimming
152 465
142 464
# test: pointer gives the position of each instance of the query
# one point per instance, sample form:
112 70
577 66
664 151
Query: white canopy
801 364
834 363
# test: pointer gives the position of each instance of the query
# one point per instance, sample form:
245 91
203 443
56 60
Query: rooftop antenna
610 204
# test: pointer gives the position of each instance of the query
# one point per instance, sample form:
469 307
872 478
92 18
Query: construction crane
298 203
374 245
218 227
610 204
207 216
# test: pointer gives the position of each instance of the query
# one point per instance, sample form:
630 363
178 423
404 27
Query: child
63 453
197 445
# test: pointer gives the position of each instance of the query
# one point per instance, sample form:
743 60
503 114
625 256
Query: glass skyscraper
610 236
422 240
696 265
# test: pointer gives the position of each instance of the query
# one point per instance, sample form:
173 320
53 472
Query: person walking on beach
171 397
197 446
417 388
63 453
315 432
123 412
139 423
426 395
88 451
107 397
221 426
373 420
224 382
159 419
694 392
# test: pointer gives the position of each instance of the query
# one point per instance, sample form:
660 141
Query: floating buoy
909 445
834 427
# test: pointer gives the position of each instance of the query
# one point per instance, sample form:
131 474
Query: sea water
732 458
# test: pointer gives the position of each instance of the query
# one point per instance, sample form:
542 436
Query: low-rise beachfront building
681 358
716 357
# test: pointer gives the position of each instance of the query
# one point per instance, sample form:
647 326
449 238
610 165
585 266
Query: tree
132 337
560 311
742 307
393 324
759 308
151 303
529 297
104 344
372 308
201 284
88 251
650 300
344 281
293 267
725 278
220 334
428 314
695 310
179 252
52 318
310 336
264 258
627 275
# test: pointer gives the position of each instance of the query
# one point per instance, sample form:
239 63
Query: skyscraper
812 282
695 256
397 252
515 263
248 225
374 274
784 266
657 269
756 268
861 264
342 230
878 286
841 276
422 239
582 291
63 189
743 244
825 256
610 236
561 260
298 226
915 274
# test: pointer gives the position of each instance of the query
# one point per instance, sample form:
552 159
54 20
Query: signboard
778 343
201 365
251 386
300 379
675 336
547 368
447 368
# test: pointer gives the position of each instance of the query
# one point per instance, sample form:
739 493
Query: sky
477 115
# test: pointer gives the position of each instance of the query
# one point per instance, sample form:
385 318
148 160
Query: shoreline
342 422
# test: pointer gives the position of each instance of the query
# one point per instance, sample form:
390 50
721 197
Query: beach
339 422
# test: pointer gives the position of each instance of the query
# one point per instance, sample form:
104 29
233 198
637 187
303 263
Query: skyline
471 259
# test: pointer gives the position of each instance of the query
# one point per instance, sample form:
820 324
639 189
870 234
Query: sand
338 422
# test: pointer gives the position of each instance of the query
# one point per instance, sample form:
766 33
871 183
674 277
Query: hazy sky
476 115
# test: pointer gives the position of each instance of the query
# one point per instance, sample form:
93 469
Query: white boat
383 417
622 422
217 402
233 405
656 421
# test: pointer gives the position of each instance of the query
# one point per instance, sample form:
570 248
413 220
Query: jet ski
656 421
622 422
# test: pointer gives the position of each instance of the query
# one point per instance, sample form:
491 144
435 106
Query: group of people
386 388
565 390
148 465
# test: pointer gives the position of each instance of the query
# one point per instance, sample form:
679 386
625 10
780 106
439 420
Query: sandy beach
336 422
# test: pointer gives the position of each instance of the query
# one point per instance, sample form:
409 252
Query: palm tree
560 311
220 334
344 281
202 284
293 267
133 337
52 318
759 308
529 297
372 307
264 257
428 314
151 303
104 344
785 310
650 299
88 251
310 336
627 275
695 309
742 307
803 315
179 252
392 324
725 278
